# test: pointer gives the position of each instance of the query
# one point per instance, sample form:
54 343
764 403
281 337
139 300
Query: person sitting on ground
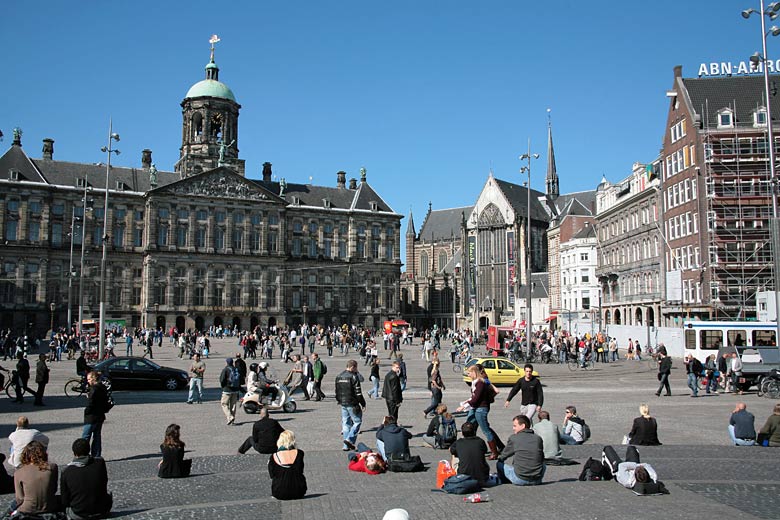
367 461
527 452
573 427
550 435
470 451
392 439
35 482
173 464
84 485
285 467
21 437
771 430
265 435
742 429
644 431
442 430
633 474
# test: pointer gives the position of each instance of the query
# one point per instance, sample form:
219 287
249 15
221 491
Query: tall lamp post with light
108 150
52 308
527 169
456 273
770 12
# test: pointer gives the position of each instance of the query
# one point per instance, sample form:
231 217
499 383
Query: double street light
771 12
527 169
108 150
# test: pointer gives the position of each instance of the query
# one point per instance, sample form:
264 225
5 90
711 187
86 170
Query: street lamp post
71 274
52 308
305 309
770 12
456 273
527 169
85 205
102 321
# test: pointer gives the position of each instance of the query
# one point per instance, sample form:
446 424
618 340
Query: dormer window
326 203
120 186
13 175
81 183
374 205
759 117
726 119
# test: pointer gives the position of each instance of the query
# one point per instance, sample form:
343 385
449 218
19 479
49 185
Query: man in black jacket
392 390
95 413
84 485
531 394
42 378
350 396
392 439
265 433
22 377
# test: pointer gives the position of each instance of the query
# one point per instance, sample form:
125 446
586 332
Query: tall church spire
551 182
410 226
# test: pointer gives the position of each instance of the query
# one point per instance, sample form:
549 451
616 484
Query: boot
493 450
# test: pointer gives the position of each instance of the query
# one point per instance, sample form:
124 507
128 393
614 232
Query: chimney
267 173
48 148
146 158
353 184
341 180
678 71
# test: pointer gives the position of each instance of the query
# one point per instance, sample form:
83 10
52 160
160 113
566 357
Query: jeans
374 392
195 382
380 447
568 440
664 384
480 416
692 380
507 473
712 384
350 422
739 442
94 431
614 355
435 400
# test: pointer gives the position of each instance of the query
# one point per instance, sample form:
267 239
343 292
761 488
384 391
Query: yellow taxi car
500 371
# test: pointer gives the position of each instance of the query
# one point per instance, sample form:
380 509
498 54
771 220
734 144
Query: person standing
128 344
230 381
436 386
402 365
664 371
95 413
527 452
391 390
742 429
197 369
478 407
693 368
735 371
318 370
349 395
149 344
22 377
42 378
531 393
374 378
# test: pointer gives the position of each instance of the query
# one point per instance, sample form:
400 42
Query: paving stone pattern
706 477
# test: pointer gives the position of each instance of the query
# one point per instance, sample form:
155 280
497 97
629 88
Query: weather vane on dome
214 39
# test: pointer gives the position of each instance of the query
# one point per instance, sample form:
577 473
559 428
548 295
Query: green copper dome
210 88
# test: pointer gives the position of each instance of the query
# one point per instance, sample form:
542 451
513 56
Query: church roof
518 197
443 224
581 203
587 231
210 88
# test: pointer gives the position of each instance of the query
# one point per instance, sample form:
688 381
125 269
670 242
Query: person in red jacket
367 461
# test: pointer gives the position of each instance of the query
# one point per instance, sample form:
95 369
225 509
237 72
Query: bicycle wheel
9 390
773 389
590 364
572 364
457 367
73 388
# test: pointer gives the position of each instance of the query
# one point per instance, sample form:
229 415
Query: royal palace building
197 246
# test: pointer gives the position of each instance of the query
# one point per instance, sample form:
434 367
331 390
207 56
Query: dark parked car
141 374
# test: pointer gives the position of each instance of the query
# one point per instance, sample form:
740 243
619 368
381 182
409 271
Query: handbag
405 463
460 485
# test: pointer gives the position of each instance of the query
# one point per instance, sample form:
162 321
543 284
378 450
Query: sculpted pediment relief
220 184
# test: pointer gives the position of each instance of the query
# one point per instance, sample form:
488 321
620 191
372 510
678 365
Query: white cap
396 514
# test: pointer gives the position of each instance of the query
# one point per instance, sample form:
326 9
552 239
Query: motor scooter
252 402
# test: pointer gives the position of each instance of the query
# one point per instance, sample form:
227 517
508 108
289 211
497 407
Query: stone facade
196 247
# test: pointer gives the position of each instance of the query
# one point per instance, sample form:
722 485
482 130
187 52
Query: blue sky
427 95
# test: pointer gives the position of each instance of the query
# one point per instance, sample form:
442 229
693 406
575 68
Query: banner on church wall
472 279
510 266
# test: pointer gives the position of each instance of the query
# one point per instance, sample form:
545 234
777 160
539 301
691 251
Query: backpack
324 369
405 463
460 485
109 404
234 380
594 470
585 431
446 433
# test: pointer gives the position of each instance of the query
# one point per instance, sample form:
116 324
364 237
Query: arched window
423 264
442 260
197 124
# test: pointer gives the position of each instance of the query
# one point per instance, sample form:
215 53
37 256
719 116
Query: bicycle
573 362
10 388
460 363
76 386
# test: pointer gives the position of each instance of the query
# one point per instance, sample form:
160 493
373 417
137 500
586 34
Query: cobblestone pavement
705 475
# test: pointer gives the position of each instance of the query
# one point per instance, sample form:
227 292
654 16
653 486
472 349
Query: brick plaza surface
706 477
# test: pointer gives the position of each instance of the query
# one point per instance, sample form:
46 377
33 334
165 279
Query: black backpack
594 470
324 369
405 463
446 433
